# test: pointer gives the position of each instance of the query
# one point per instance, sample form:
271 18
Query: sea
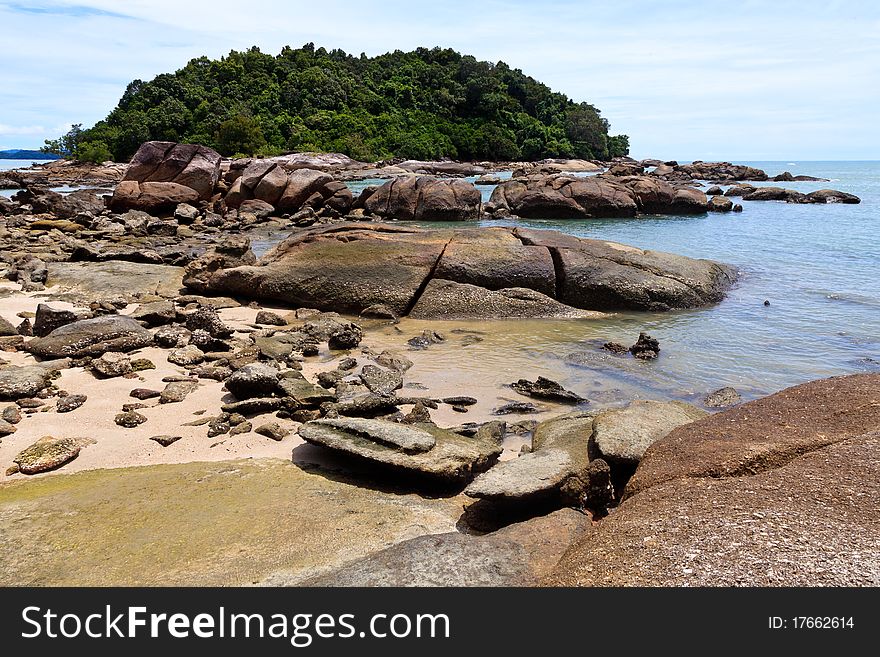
818 266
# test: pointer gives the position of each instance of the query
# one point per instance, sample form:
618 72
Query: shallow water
818 266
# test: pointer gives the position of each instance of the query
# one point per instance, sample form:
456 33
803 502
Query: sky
684 79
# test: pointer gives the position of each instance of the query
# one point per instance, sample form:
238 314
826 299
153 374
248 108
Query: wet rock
304 393
185 356
518 408
254 380
269 319
544 388
21 382
832 196
331 379
70 403
623 435
615 348
130 419
91 337
272 430
176 392
165 440
426 339
379 311
112 364
394 361
722 398
347 364
460 400
46 454
425 450
418 415
381 381
348 336
646 347
720 204
48 319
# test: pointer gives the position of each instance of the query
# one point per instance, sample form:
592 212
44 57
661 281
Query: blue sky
686 80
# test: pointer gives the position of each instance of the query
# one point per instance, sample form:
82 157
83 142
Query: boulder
408 449
380 380
91 337
151 197
155 313
423 198
351 267
111 365
47 453
780 491
47 319
254 380
832 196
22 382
517 555
189 166
622 435
544 388
449 300
720 204
70 403
722 398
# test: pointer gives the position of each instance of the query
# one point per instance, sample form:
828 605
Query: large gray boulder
622 435
91 337
162 175
348 268
408 449
423 198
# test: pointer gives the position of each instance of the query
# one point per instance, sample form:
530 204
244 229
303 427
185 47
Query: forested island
424 104
20 154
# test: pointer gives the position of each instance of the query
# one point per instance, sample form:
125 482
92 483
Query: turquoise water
818 265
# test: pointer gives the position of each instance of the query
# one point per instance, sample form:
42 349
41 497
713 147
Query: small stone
70 403
243 427
272 430
30 403
518 407
460 409
218 426
347 364
418 415
254 380
426 339
347 337
189 355
722 398
176 392
310 350
6 428
112 364
133 406
165 440
381 381
144 393
170 337
142 364
646 348
11 414
130 419
269 319
207 319
459 401
236 419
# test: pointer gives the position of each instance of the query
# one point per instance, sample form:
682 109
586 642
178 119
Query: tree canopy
425 104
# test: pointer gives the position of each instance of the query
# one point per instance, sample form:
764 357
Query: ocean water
817 265
6 165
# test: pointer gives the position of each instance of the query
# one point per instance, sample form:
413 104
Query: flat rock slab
407 438
559 456
232 523
91 337
764 433
115 278
352 267
811 522
622 435
20 382
47 453
452 459
518 555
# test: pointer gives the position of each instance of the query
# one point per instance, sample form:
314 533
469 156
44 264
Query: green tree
66 145
240 135
93 151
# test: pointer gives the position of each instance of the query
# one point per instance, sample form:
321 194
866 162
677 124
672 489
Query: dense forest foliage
426 104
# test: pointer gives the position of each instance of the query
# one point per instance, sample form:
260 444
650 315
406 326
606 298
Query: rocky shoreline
140 329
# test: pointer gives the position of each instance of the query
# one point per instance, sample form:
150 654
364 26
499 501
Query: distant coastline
19 154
